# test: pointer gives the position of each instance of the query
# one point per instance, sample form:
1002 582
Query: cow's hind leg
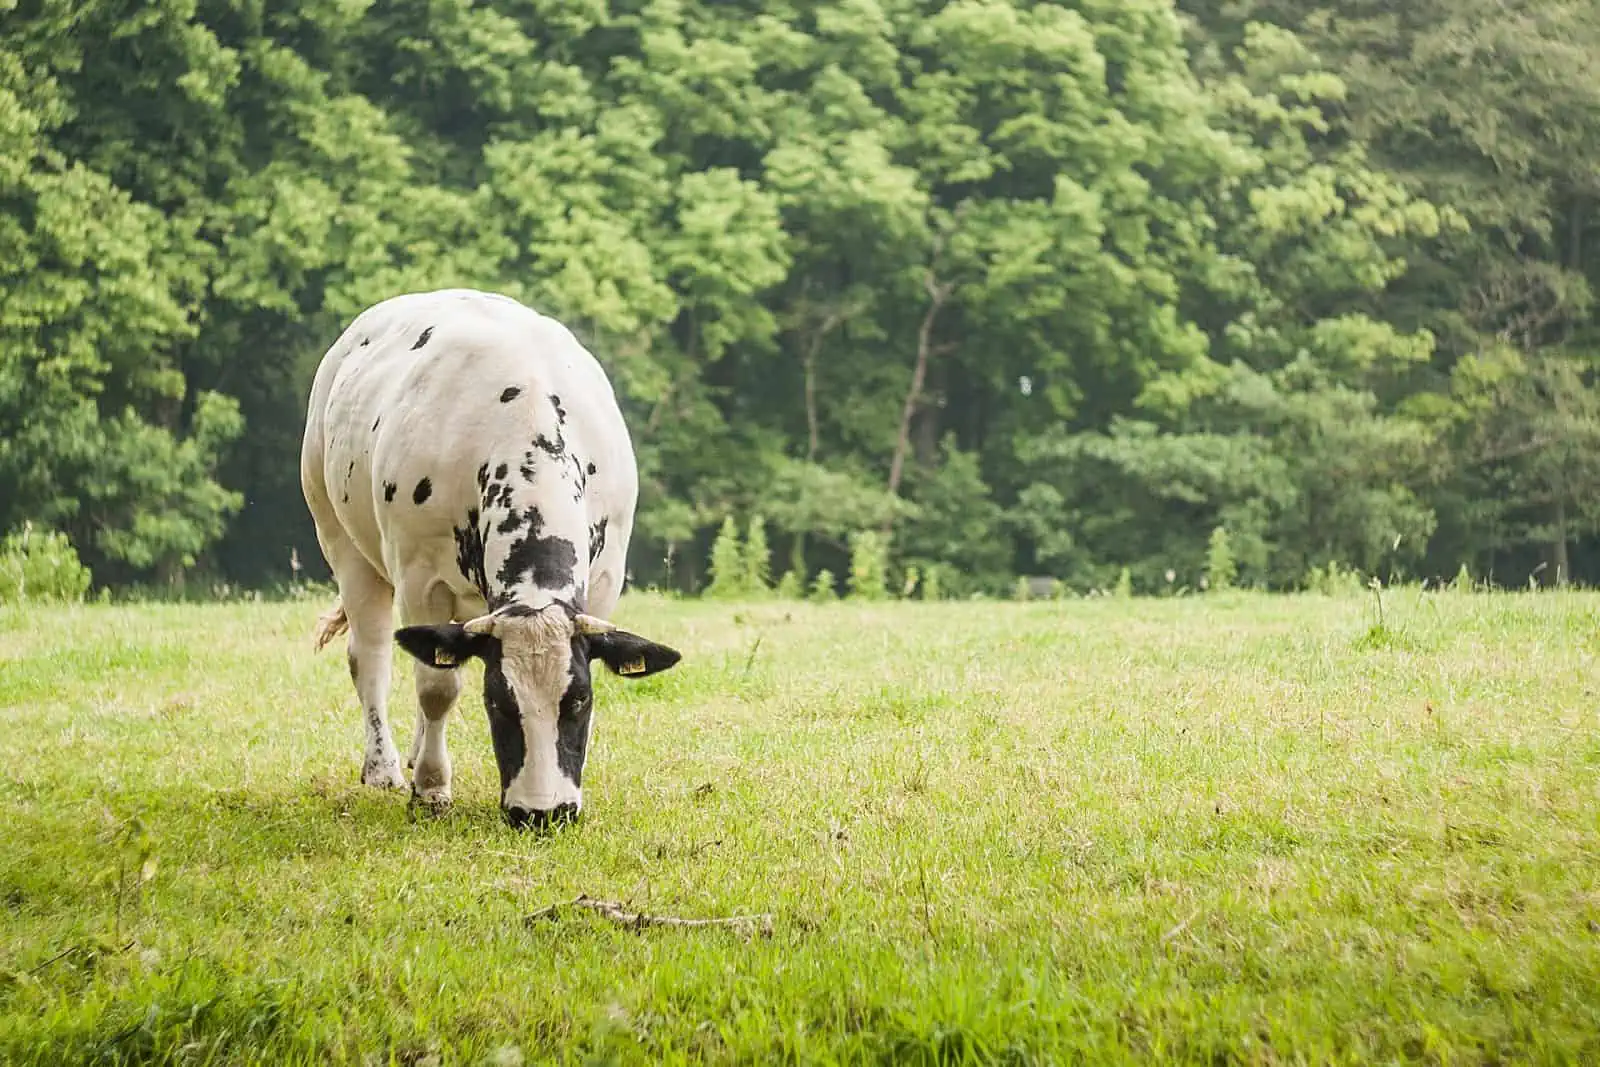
437 691
369 605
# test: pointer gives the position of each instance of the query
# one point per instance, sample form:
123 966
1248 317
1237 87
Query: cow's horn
483 624
588 624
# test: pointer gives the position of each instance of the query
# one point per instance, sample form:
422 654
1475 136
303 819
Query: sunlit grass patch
1235 828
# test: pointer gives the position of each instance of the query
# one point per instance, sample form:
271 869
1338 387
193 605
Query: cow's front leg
369 605
437 691
436 696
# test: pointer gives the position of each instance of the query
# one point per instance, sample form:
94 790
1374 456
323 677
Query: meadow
1222 829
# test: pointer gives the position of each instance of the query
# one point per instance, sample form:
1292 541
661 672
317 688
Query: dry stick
63 954
70 951
638 920
927 908
697 849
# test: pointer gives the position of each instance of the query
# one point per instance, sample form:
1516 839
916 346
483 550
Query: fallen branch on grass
761 924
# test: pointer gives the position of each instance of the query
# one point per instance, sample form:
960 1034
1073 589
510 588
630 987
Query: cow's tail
330 624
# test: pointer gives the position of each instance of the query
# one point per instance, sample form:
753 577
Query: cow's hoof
383 776
433 801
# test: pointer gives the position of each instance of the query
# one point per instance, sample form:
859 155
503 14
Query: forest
1078 291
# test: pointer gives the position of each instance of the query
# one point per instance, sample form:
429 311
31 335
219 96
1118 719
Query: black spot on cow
346 499
422 492
365 341
388 491
348 471
593 469
554 449
546 562
597 539
422 340
557 448
469 553
572 720
497 496
511 523
355 667
580 478
505 718
500 472
509 394
483 476
375 423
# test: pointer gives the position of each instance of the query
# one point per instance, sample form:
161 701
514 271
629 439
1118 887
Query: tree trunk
811 400
835 318
929 419
1558 548
938 293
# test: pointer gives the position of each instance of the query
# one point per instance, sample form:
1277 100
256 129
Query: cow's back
424 393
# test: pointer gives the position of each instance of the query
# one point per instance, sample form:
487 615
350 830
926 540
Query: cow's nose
541 818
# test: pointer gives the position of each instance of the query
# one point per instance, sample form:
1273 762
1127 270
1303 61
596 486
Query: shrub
1221 570
1334 580
757 558
913 579
40 565
823 587
869 566
791 586
1124 588
728 570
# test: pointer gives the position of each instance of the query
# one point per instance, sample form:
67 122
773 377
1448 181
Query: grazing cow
467 453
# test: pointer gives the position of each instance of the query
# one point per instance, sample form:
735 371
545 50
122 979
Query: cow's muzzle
541 818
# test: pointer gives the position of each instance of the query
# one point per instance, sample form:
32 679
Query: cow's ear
631 655
446 647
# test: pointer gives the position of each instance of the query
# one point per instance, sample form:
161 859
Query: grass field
1237 829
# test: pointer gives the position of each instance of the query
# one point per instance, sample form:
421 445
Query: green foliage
957 521
912 579
1333 579
40 565
1043 289
1221 570
729 569
824 587
757 558
791 586
869 566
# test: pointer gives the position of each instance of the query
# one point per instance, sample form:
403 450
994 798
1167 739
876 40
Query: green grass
1229 830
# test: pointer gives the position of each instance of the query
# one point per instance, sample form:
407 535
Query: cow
466 454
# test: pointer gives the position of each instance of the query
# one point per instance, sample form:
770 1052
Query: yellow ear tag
441 658
635 666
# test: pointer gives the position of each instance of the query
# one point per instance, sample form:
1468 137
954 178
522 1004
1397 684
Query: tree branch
617 912
939 293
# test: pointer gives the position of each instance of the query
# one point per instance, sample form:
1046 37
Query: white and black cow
467 453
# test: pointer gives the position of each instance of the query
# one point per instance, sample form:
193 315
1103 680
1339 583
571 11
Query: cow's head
537 690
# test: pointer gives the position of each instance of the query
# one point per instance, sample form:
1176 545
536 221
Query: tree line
1018 289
